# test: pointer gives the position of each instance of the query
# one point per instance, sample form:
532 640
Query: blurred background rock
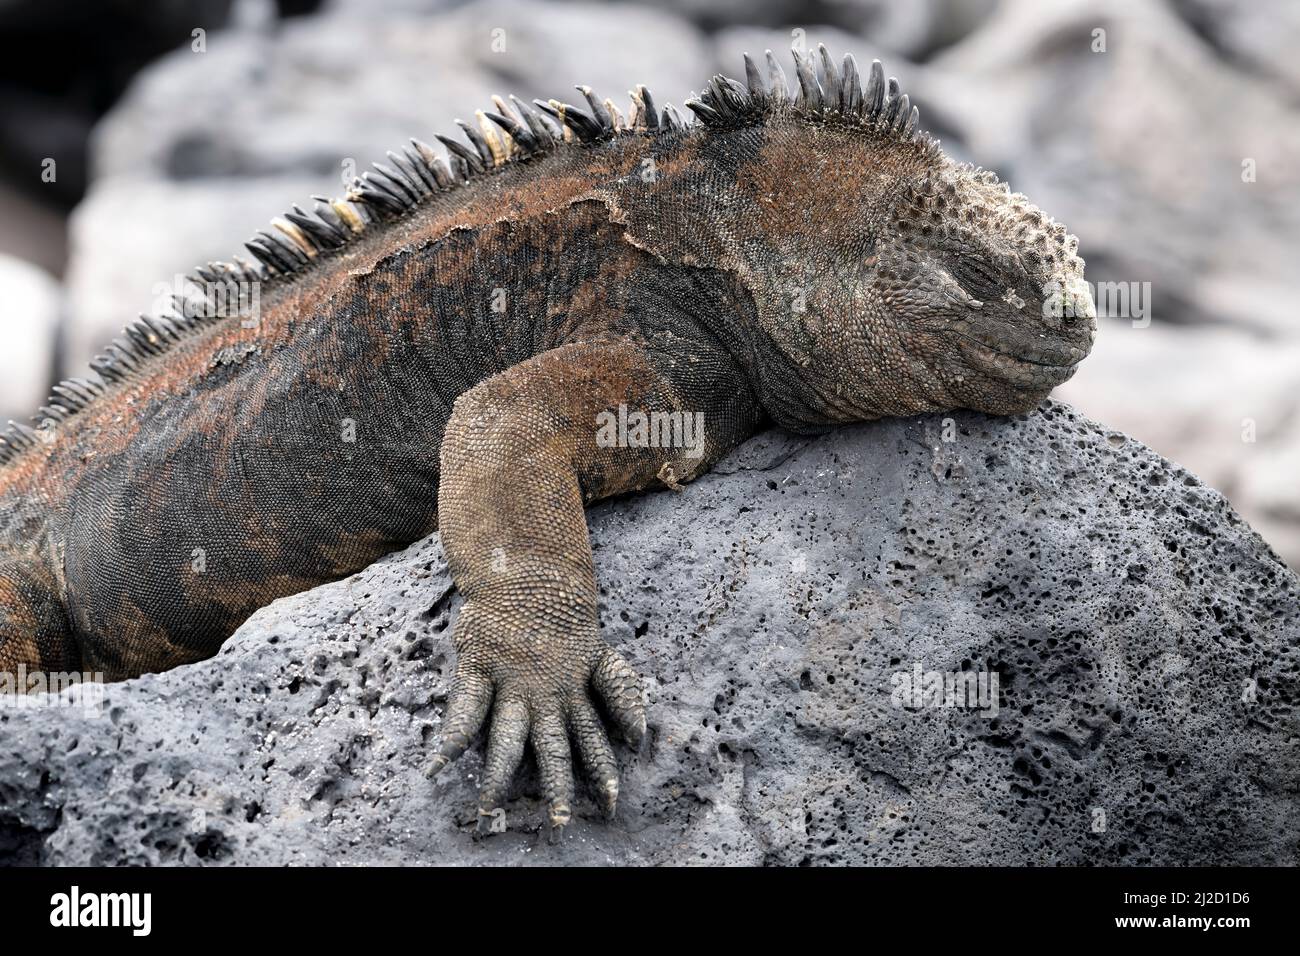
1164 133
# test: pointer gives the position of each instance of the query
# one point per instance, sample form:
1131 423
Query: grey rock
1260 34
289 100
1145 639
30 308
914 28
543 48
296 98
385 8
1236 427
730 44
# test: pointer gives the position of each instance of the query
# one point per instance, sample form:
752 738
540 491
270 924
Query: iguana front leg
523 453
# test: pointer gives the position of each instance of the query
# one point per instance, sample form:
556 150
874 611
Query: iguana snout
1031 344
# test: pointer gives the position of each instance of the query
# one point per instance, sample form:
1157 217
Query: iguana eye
979 278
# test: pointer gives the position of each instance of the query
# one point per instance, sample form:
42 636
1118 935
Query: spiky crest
514 131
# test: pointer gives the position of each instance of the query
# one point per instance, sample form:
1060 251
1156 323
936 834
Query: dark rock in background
1146 642
65 64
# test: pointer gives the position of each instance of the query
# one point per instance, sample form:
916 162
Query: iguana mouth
1053 354
1040 368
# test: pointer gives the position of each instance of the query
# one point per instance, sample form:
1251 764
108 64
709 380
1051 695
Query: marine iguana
439 349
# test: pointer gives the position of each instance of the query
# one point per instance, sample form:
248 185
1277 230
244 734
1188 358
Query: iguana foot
539 688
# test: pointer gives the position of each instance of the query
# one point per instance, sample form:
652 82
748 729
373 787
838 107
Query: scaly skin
807 263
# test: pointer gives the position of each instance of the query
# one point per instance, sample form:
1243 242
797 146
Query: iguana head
898 280
983 287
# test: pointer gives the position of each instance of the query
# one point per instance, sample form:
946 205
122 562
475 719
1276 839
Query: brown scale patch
236 599
33 626
18 636
142 648
679 164
546 235
343 554
589 306
572 382
520 193
586 314
814 181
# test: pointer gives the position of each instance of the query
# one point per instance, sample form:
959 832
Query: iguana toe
619 687
597 754
467 708
550 739
509 734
